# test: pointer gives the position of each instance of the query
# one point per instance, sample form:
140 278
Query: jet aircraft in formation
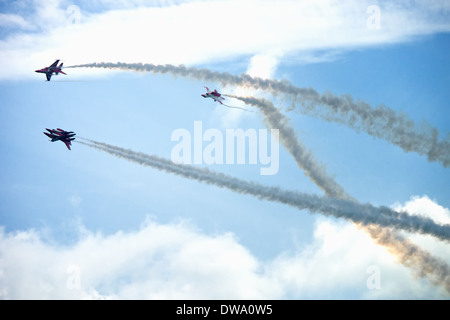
68 136
61 135
53 69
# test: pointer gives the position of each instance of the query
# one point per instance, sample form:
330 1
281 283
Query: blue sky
84 224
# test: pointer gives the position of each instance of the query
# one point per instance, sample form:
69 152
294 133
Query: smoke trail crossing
359 213
304 158
381 122
410 255
436 270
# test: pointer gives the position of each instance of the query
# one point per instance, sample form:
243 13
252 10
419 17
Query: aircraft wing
55 132
52 136
67 143
49 76
54 64
49 135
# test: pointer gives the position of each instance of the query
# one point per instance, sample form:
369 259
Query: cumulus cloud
342 257
178 261
343 262
420 205
424 206
156 262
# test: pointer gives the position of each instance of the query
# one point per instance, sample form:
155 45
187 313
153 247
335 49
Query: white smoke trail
381 122
360 213
410 255
303 157
437 271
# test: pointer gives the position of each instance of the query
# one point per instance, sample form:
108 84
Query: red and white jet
214 95
59 134
54 68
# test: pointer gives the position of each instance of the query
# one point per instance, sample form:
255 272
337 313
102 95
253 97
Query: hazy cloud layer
206 31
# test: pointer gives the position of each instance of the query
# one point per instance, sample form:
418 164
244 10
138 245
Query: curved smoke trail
410 255
381 121
303 157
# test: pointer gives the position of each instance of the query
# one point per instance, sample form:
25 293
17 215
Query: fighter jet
59 134
54 68
214 95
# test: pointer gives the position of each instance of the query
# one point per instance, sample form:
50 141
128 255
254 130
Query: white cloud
426 207
199 32
261 66
178 261
157 261
13 21
341 263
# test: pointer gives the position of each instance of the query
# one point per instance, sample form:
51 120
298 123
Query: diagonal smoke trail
303 157
436 270
381 122
408 253
375 220
359 213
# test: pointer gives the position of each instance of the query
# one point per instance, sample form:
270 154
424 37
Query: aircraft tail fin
60 67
